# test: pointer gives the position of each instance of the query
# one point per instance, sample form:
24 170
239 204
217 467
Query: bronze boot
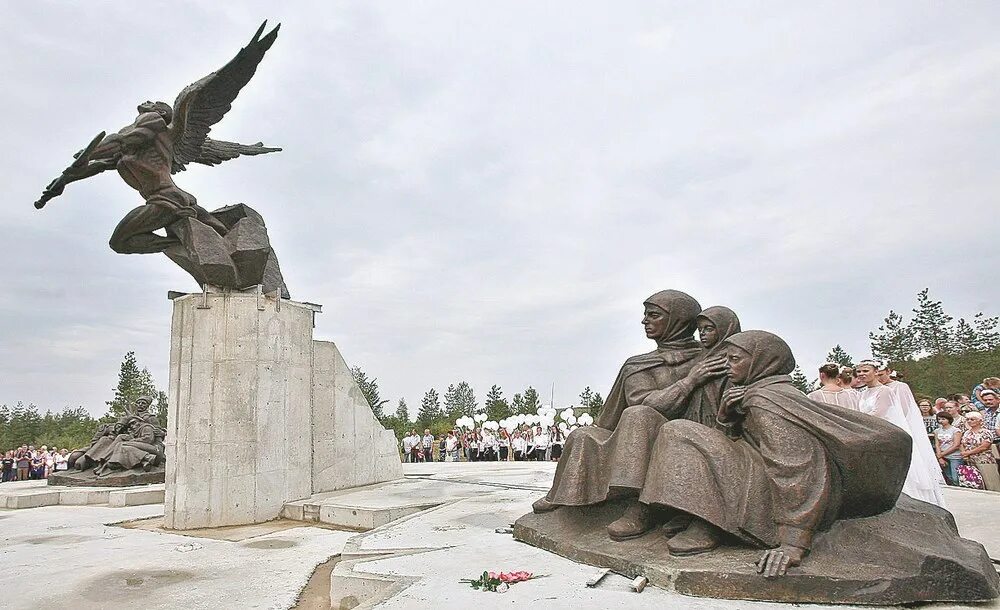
676 525
637 520
699 537
542 505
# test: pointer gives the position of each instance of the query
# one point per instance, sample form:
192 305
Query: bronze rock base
912 553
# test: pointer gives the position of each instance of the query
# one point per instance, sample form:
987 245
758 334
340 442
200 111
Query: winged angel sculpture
228 247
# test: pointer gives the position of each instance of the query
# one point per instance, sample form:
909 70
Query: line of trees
459 400
73 427
937 355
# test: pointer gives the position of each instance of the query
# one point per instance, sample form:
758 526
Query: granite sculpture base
117 478
260 414
910 554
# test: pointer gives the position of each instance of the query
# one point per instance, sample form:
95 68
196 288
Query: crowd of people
961 430
524 443
27 463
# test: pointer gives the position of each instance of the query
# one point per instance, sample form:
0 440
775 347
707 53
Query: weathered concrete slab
32 498
910 554
83 496
135 497
36 494
372 506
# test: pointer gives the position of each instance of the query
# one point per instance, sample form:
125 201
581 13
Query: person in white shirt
541 444
520 446
408 442
451 447
831 392
924 478
60 461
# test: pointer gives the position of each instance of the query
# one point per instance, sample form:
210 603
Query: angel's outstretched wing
204 103
214 152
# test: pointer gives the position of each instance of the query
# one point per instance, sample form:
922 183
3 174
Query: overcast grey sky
487 191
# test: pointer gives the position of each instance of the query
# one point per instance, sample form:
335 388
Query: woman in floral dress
977 449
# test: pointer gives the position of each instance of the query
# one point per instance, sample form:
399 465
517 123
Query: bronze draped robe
614 453
798 466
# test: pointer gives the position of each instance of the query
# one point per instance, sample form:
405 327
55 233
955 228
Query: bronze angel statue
161 142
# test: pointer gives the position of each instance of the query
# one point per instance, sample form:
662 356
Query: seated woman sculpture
611 458
796 467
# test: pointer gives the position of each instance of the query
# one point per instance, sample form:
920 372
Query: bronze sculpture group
134 441
712 443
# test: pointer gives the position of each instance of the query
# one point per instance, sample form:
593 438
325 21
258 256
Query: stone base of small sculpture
117 478
912 553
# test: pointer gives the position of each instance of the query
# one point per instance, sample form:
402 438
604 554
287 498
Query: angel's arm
143 131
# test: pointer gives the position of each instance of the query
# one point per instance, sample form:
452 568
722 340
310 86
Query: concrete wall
239 443
350 446
260 414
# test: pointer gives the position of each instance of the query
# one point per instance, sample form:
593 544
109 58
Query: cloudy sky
487 191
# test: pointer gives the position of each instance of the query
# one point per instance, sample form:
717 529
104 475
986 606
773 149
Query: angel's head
161 108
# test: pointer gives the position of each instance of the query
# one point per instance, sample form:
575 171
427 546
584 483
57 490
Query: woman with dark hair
613 455
796 467
947 445
831 392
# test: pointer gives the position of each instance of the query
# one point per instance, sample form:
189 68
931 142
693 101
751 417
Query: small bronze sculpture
223 248
135 440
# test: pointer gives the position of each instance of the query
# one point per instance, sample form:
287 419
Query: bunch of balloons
545 416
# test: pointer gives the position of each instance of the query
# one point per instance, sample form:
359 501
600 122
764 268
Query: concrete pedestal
260 414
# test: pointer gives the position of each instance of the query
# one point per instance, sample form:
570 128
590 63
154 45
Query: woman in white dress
831 392
924 478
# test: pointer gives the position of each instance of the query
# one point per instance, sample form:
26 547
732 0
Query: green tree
402 411
964 338
430 410
596 404
496 405
459 400
799 381
517 405
23 425
931 326
133 383
893 341
369 387
987 334
530 402
592 401
947 374
839 356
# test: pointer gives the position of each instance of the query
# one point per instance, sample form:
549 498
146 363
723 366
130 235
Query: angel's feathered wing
204 103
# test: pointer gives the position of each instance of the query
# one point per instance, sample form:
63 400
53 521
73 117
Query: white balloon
573 428
567 412
562 426
571 420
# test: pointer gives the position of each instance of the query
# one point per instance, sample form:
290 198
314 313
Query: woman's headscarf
769 354
726 323
682 309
